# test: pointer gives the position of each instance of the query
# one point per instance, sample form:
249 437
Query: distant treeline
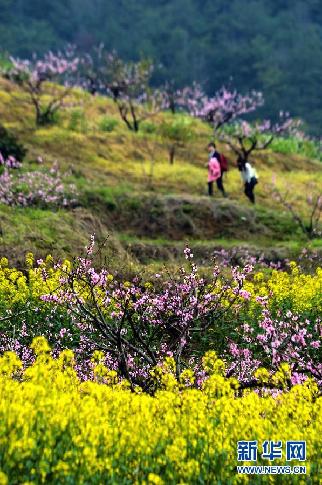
272 46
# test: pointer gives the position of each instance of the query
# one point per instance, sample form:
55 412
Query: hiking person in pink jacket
214 171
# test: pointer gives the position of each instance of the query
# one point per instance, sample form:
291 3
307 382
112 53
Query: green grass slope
128 189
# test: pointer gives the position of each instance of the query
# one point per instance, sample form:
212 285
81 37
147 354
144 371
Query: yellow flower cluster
56 429
301 292
19 287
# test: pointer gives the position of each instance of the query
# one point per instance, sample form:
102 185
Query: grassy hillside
128 189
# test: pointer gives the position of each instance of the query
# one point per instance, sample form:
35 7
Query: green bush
148 127
292 145
289 145
178 130
78 121
5 62
107 123
9 145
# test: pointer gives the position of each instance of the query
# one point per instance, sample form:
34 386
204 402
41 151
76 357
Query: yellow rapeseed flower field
56 429
299 290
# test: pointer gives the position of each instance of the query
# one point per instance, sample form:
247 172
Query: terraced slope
128 189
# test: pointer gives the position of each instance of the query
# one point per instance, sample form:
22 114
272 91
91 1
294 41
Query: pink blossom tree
128 83
92 70
39 77
244 138
222 108
173 96
139 325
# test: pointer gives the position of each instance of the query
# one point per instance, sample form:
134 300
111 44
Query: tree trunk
172 151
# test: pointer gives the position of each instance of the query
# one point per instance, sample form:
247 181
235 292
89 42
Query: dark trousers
220 186
249 190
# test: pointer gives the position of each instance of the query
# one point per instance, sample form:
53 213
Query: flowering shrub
58 429
281 324
9 162
272 341
251 319
140 324
307 261
35 188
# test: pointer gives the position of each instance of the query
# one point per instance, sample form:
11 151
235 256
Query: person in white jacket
249 177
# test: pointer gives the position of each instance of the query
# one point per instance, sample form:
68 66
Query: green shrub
107 123
148 127
9 145
78 121
293 145
178 130
177 133
5 62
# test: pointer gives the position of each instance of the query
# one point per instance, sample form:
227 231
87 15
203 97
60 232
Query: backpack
223 163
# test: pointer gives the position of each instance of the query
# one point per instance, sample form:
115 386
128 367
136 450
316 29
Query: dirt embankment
178 218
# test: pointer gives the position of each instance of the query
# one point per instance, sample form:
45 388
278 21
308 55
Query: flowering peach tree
222 108
128 83
244 138
39 77
140 324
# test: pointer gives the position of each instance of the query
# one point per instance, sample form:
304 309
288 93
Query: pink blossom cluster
276 339
9 162
31 76
242 256
55 326
49 68
285 126
221 108
36 188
